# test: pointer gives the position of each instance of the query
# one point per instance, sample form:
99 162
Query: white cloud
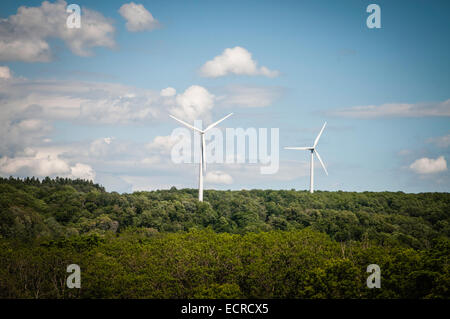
24 36
442 141
218 177
82 171
170 91
163 144
43 162
105 103
31 125
37 164
119 109
100 147
396 110
429 165
194 103
138 18
5 73
235 60
18 133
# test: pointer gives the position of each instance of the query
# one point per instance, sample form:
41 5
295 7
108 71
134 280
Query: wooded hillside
236 244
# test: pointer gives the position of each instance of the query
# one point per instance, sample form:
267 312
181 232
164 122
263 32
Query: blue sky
384 92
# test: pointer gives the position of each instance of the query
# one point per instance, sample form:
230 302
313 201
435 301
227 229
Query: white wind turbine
202 167
313 150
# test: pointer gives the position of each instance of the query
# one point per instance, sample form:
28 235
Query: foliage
236 244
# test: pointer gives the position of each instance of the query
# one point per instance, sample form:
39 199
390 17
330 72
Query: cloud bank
24 36
218 177
44 162
32 110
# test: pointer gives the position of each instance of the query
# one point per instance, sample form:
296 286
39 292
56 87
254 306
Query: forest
235 244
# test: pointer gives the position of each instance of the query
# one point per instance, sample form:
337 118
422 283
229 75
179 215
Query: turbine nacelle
197 129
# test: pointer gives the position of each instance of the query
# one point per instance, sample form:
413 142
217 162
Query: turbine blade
215 123
298 148
186 124
204 153
318 136
320 160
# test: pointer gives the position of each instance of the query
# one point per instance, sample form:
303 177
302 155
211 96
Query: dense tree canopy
236 244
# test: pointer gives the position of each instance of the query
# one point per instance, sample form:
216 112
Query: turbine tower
202 167
313 151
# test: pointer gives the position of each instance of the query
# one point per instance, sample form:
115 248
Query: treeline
236 244
32 209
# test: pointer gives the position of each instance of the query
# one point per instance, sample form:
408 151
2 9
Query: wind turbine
202 167
313 150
